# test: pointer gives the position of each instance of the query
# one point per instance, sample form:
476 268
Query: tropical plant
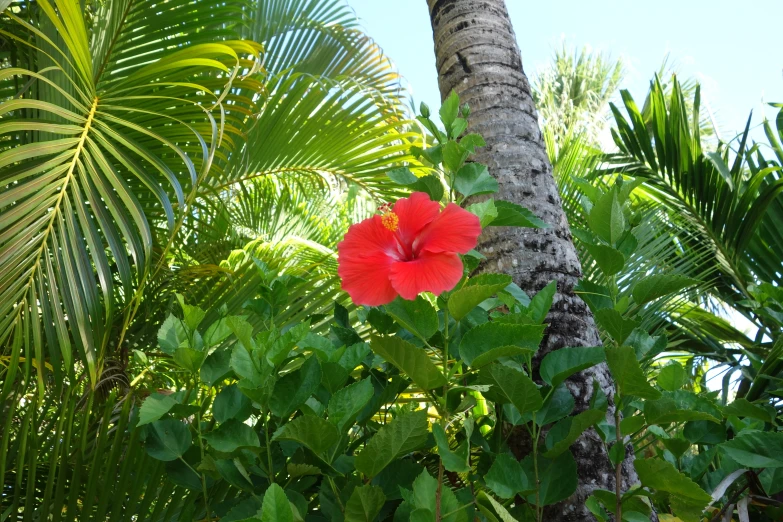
150 149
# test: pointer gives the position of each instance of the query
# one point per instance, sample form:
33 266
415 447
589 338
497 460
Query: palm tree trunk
478 57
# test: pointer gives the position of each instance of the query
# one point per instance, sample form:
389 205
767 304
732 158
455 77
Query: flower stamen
390 220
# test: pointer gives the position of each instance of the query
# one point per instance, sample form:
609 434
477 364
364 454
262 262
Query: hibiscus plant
399 406
395 407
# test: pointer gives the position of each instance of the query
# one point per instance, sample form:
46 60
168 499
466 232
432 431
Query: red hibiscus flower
408 250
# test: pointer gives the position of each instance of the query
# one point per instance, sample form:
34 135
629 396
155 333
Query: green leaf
756 449
490 507
677 446
463 301
231 436
154 407
687 498
614 324
485 211
664 411
489 341
513 215
576 425
193 314
171 334
454 156
188 358
635 516
411 360
424 494
542 302
654 286
609 260
294 388
449 110
557 476
596 296
559 365
452 460
672 376
313 432
506 478
231 403
473 179
401 436
216 367
217 332
431 185
365 504
403 176
417 316
514 387
167 439
346 403
744 408
276 507
606 218
628 375
632 424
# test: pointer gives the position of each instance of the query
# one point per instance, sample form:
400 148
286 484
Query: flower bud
424 110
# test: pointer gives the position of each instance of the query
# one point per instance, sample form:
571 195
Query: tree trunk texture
478 57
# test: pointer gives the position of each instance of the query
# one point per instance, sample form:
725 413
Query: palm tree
150 148
477 56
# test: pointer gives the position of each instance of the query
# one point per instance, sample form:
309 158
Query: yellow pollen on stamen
390 220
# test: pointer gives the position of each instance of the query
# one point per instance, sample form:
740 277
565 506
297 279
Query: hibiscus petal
415 213
430 272
367 238
366 279
454 230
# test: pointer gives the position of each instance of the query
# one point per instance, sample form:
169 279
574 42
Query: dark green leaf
609 260
293 389
507 478
313 432
756 449
606 218
482 287
417 316
403 435
346 403
231 436
560 364
154 407
514 387
412 360
615 324
167 439
628 375
576 425
490 341
365 504
513 215
672 376
456 461
687 498
542 302
654 286
216 367
231 403
473 179
744 408
557 477
276 507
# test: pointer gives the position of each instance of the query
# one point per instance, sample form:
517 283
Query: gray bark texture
477 56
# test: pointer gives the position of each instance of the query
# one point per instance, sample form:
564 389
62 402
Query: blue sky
731 47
